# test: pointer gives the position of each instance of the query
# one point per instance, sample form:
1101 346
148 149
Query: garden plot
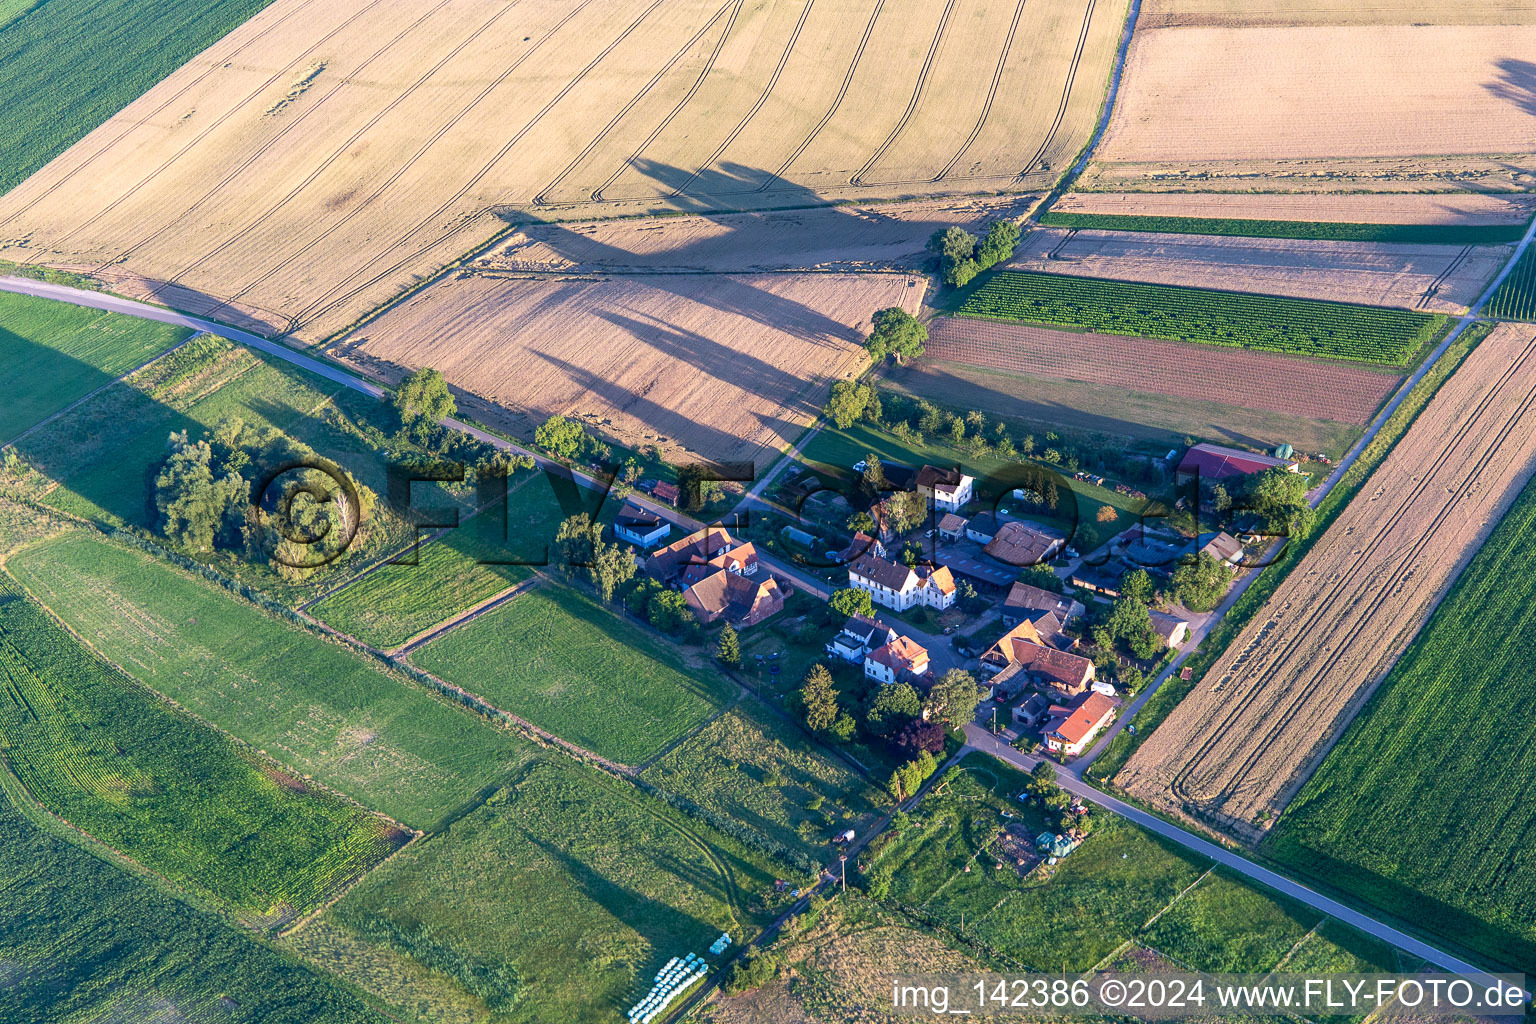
1236 749
1434 278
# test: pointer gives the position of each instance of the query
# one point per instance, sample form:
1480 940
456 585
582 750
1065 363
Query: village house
1216 462
641 528
1029 713
1019 543
1029 602
1223 547
710 548
1170 628
1021 656
902 660
862 544
952 526
858 637
899 587
723 594
1070 730
947 489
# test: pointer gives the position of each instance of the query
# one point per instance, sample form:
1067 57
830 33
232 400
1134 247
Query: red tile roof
1087 717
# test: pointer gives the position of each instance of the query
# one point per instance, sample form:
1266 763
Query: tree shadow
1516 84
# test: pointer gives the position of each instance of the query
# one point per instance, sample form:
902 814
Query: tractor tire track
912 104
986 107
1066 92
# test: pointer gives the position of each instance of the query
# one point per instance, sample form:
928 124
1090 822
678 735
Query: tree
579 541
893 707
1138 584
871 483
1201 582
195 506
1220 499
1042 776
1279 498
851 601
668 610
728 648
696 486
862 522
818 698
955 248
562 437
877 884
1128 619
843 727
954 697
917 736
897 333
424 396
1001 239
904 511
612 567
752 972
1107 514
851 401
1042 576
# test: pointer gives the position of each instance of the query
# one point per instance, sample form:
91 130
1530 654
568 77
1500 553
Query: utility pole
843 862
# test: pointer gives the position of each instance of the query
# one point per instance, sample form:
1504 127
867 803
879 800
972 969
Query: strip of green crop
1328 330
1516 297
1410 234
1168 696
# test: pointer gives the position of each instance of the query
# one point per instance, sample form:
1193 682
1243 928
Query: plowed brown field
1255 380
303 171
1163 13
1435 278
1332 107
1236 749
1376 208
729 368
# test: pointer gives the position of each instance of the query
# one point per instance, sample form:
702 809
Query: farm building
1018 543
724 594
639 527
1030 712
1021 654
861 545
1028 602
1172 629
1070 730
947 489
1216 462
1055 845
858 637
709 548
952 526
1223 547
900 587
660 490
902 660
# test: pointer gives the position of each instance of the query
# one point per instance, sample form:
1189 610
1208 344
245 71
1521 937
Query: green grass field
55 353
1328 330
96 58
557 900
309 703
1515 299
1105 893
833 452
395 603
1427 806
1403 234
756 769
176 796
566 663
84 940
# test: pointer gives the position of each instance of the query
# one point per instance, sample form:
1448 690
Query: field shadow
1516 84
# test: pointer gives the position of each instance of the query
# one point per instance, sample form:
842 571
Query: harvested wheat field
729 368
890 236
1165 13
1257 380
1335 107
1433 278
325 156
1447 208
1236 749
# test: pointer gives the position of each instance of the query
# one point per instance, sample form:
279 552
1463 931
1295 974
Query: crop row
1516 297
1331 330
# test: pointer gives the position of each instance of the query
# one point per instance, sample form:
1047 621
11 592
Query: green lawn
761 772
1327 330
1105 893
309 703
84 940
1403 234
96 58
173 794
557 900
833 452
584 672
54 353
1427 806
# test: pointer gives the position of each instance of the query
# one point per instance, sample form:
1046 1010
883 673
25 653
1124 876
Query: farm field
314 162
176 796
751 767
581 670
1113 411
1327 330
1399 234
97 58
87 940
1122 885
1515 299
1234 752
556 900
1332 107
1305 388
55 354
1373 820
1432 278
309 703
1162 13
1401 211
728 368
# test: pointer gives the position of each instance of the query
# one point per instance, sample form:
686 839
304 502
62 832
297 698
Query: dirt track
1433 278
1239 746
1254 380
